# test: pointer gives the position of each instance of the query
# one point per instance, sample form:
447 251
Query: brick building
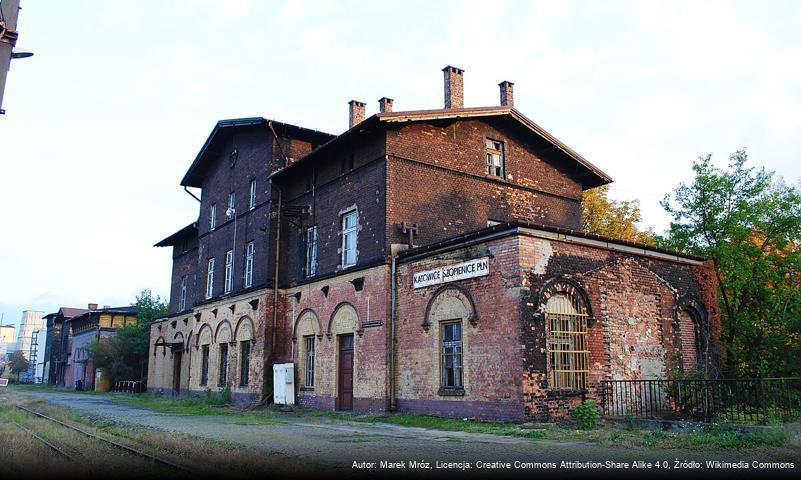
428 261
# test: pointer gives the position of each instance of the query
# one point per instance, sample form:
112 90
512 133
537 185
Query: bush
587 415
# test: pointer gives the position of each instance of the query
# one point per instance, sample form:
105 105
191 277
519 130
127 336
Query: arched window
566 326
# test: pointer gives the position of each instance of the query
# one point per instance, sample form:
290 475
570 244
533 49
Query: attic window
495 158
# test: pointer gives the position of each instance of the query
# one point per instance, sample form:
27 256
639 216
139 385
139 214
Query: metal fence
129 386
751 401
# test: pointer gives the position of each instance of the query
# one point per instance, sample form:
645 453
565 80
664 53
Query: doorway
345 394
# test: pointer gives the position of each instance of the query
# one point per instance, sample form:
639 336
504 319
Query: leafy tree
750 224
18 364
612 218
125 353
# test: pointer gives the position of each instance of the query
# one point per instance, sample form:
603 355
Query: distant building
94 324
57 346
8 345
32 320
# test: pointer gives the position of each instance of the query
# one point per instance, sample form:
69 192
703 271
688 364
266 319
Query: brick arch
696 311
568 287
178 336
316 321
461 294
188 340
200 333
244 328
220 330
336 311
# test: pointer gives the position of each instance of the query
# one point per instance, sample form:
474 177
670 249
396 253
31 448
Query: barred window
452 355
309 375
244 363
567 343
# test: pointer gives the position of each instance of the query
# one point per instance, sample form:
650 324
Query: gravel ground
339 444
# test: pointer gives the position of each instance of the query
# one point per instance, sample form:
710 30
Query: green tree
750 224
18 364
612 218
125 353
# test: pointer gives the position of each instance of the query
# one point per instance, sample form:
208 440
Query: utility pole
9 10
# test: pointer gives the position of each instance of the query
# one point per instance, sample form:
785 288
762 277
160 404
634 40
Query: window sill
565 393
451 392
306 389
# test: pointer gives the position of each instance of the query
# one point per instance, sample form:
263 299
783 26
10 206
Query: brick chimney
385 104
92 306
454 87
507 94
356 112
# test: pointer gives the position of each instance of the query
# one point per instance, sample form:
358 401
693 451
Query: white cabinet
284 383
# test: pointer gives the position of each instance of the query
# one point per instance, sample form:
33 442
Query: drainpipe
275 281
191 194
392 406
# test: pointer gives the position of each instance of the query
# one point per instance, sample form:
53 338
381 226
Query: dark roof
68 312
591 175
127 310
511 226
189 231
220 132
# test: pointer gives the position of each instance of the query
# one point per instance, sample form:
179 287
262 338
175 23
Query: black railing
753 400
129 386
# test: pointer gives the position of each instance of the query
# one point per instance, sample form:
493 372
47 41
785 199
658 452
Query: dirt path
339 444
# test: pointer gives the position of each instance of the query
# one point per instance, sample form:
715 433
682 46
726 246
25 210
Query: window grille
244 369
452 355
567 343
309 376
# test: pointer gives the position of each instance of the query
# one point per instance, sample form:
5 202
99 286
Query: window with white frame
182 295
252 204
311 251
212 216
451 355
309 374
210 279
350 232
495 158
229 271
229 213
249 252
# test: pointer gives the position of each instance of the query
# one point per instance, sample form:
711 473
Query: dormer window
495 158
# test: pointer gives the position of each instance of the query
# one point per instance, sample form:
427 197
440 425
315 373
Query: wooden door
345 396
176 375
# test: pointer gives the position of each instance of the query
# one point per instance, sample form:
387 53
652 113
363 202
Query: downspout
392 406
275 281
191 194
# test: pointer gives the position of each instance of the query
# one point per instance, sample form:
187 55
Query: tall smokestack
507 94
356 113
454 87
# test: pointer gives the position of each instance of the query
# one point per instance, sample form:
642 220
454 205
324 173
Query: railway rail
125 448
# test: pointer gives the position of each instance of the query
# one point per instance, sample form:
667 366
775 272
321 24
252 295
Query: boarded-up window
567 343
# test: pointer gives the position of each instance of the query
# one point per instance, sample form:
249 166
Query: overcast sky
105 119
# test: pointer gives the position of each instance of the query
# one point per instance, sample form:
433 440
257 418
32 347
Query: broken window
567 343
309 375
311 251
495 158
350 231
452 355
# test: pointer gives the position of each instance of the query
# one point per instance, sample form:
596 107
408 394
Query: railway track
93 436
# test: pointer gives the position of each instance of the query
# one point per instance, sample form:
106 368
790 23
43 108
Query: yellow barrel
102 380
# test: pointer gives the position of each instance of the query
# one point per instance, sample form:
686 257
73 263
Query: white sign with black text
470 269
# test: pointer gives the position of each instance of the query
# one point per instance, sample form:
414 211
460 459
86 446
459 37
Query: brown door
176 375
345 397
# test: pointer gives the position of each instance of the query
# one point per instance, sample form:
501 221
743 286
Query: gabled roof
68 312
220 133
189 231
591 175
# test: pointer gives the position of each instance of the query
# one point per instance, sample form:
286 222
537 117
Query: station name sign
450 273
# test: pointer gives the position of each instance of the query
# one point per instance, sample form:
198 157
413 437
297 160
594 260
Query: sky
103 121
